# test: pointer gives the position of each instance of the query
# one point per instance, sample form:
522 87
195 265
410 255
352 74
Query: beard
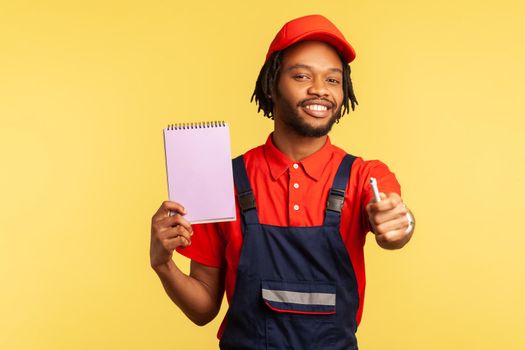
292 119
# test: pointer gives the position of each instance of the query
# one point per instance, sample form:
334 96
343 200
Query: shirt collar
313 165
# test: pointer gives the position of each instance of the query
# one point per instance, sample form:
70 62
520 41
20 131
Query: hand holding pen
389 217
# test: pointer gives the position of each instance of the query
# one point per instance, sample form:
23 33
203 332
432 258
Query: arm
389 222
198 295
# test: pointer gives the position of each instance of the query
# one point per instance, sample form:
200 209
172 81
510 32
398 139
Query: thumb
372 205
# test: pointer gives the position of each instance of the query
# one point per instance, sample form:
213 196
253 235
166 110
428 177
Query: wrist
164 268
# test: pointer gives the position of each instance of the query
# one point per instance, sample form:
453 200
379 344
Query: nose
318 87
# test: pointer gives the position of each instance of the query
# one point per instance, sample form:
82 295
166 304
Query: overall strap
336 196
245 196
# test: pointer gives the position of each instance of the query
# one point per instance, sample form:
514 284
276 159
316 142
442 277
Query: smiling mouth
317 110
316 107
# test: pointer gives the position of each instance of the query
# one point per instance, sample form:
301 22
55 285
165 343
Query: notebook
199 170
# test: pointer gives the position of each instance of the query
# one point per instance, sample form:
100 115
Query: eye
300 77
333 81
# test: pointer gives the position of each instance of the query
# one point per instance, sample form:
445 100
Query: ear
272 93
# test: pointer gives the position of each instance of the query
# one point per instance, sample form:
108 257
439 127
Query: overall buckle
246 200
335 200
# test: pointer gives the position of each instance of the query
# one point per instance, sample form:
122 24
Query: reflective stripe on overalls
295 287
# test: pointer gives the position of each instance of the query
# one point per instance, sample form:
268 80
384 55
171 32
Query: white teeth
317 107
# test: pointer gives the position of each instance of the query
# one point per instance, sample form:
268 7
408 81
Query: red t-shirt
292 193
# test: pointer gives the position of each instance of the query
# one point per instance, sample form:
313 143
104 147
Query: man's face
309 91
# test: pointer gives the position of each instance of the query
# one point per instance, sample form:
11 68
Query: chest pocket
300 315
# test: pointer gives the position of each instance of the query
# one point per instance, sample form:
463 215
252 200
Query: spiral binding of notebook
196 125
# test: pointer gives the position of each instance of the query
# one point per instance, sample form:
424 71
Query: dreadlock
269 75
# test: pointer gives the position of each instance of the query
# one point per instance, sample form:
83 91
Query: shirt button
295 166
296 185
296 207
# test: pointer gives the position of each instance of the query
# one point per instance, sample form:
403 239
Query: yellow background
86 88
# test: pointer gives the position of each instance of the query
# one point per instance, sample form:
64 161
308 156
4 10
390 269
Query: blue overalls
295 287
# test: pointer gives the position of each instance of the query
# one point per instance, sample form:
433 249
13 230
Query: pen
377 198
373 183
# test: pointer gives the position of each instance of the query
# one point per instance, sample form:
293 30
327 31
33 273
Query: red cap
313 27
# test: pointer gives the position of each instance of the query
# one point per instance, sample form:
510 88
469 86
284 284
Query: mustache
304 102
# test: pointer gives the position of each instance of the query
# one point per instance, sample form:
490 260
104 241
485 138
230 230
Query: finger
373 200
167 207
390 201
175 232
373 206
391 236
383 216
171 221
392 225
183 242
174 243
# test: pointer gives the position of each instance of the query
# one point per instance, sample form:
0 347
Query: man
292 264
